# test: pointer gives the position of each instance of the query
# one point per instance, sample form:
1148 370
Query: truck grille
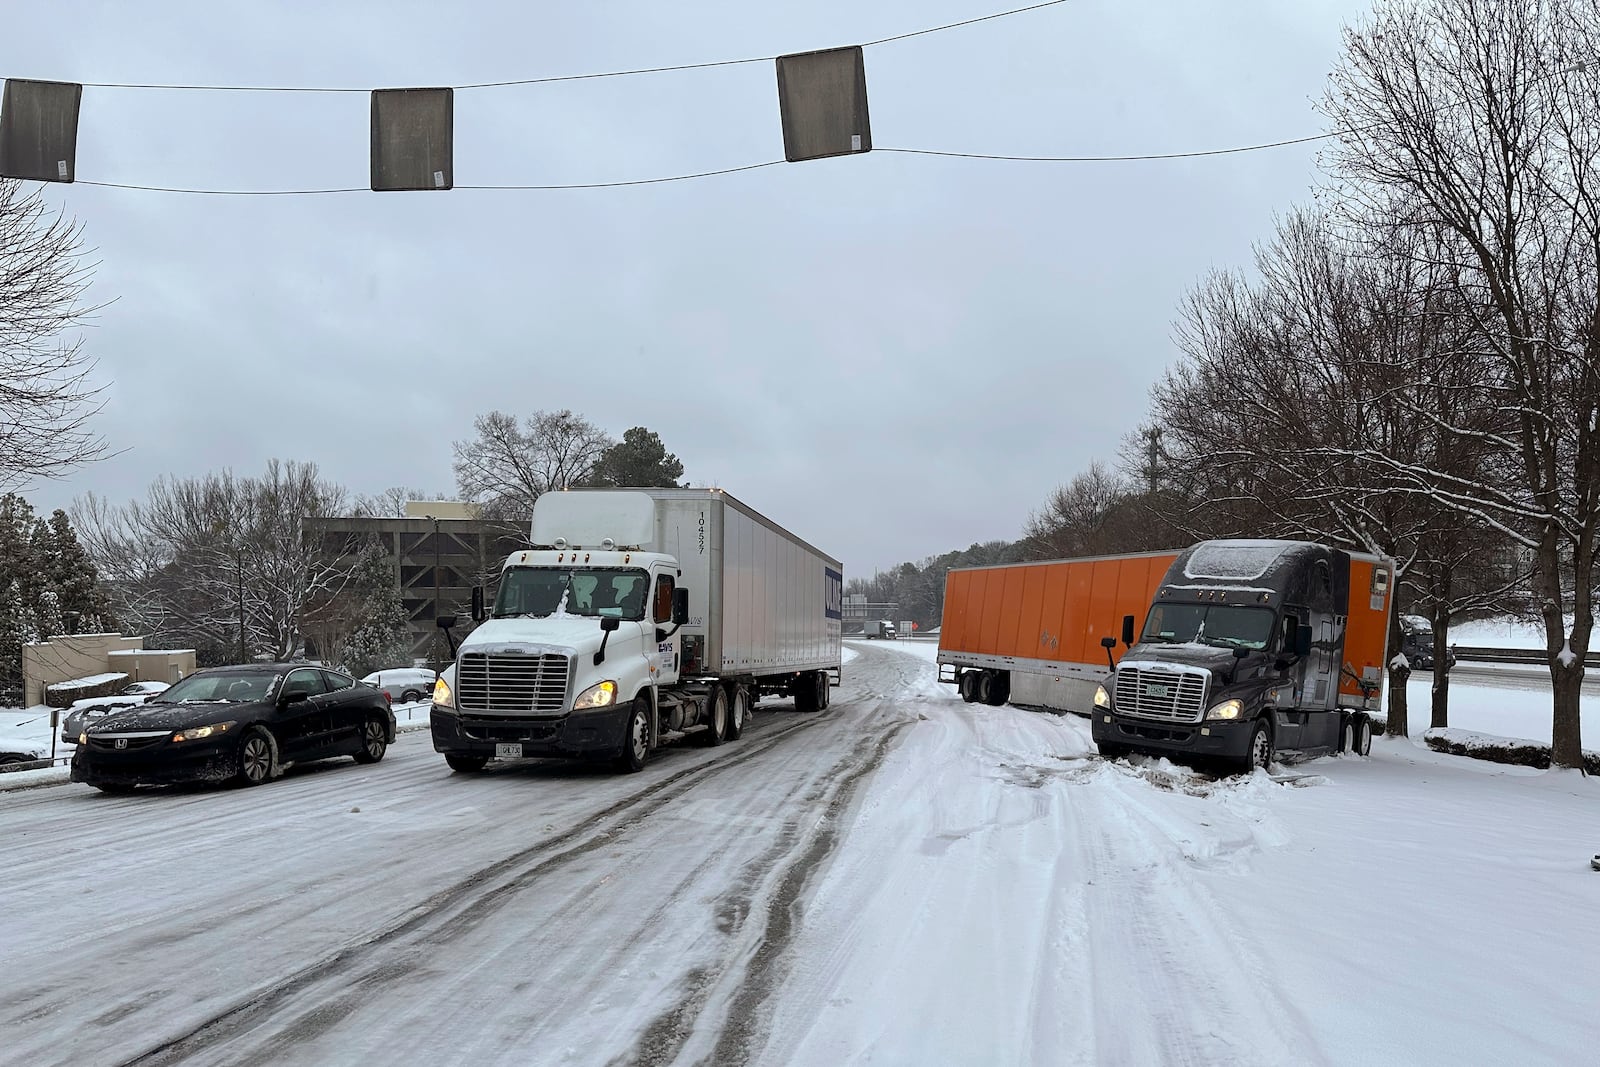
1161 693
512 684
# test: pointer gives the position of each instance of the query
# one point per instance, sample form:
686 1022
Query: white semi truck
636 617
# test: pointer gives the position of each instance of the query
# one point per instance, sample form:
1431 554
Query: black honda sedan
240 724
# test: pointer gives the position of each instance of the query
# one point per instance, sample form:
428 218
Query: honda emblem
122 742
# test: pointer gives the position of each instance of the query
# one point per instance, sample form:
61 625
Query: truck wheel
716 713
738 708
824 690
1347 736
636 745
969 686
1362 728
467 764
806 693
1259 752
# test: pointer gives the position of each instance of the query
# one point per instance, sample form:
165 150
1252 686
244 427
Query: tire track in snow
1172 976
770 889
447 914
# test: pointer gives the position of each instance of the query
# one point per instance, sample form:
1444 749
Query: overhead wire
559 77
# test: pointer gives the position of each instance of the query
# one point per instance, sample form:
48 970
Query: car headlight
1228 709
599 695
1102 699
197 733
83 737
442 697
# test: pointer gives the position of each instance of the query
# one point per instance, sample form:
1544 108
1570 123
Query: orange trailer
1034 630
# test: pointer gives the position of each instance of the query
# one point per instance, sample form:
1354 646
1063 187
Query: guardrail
1484 654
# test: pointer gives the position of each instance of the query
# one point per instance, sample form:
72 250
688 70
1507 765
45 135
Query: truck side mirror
610 623
1127 629
445 622
1108 643
1302 640
680 606
477 603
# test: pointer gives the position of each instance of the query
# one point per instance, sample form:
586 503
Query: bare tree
201 559
1475 119
391 503
507 467
46 397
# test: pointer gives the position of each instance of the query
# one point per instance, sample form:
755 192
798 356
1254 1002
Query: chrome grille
1162 693
509 684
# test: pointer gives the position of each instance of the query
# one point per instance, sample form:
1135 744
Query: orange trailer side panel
1366 635
1056 611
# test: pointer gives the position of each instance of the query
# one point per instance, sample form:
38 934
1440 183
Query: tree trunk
1398 726
1441 654
1566 748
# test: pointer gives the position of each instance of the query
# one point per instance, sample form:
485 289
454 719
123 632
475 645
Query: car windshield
541 591
224 686
1211 624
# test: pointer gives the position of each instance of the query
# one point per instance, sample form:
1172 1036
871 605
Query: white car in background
405 685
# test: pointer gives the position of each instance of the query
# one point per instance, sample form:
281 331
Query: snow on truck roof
1235 560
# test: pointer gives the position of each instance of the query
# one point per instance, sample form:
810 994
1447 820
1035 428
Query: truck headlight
1228 709
442 697
599 695
1102 699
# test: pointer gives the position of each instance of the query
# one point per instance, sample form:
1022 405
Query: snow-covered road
902 879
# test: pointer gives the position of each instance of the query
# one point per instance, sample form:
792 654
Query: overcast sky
892 355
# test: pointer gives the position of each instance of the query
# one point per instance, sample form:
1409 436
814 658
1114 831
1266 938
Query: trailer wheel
807 694
636 745
738 708
716 718
969 686
995 688
1362 728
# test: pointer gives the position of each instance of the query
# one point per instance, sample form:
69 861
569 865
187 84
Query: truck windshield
1211 624
542 591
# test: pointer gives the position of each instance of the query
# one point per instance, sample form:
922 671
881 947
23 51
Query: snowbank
1517 751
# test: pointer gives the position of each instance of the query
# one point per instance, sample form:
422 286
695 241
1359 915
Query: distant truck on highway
639 616
878 629
1249 648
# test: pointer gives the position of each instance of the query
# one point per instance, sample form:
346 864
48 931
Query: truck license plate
508 751
1155 690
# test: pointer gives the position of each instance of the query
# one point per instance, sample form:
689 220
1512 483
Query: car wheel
716 712
410 696
374 741
258 757
1259 752
467 764
738 708
636 745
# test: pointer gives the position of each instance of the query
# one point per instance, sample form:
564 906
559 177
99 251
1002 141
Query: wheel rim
1350 738
375 741
738 709
640 736
1260 749
257 759
719 716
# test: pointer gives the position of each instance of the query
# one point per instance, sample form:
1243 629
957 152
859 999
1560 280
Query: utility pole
239 571
1152 436
435 576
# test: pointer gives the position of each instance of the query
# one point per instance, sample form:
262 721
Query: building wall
63 658
468 553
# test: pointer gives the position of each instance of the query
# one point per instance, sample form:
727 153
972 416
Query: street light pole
435 575
239 571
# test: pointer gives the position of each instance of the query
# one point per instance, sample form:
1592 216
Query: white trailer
639 616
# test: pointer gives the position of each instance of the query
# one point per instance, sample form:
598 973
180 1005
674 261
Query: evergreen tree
380 638
73 576
640 459
16 630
